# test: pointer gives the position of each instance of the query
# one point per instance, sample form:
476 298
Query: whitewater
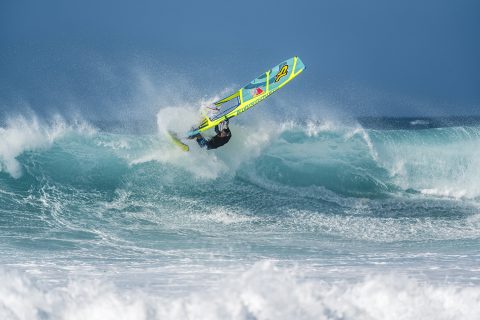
293 219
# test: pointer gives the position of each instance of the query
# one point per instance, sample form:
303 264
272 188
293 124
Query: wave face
324 210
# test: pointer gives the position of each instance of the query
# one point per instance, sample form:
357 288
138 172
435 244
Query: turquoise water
312 220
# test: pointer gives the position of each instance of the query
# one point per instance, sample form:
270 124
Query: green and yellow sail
251 94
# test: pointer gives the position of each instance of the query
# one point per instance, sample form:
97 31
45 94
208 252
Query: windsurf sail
251 94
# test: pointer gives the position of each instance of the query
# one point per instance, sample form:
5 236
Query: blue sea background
352 193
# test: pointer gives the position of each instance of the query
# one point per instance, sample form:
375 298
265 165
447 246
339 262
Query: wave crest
23 134
347 160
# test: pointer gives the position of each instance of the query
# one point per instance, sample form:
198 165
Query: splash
265 291
29 134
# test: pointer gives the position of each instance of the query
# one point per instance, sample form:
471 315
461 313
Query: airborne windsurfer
238 102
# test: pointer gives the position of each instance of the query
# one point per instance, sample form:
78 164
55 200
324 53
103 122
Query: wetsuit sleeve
217 130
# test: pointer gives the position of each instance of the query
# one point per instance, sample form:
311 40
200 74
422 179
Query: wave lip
22 134
356 162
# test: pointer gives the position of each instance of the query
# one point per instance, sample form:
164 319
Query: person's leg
201 142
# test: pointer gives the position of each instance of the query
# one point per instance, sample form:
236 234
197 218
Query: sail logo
282 73
256 92
251 104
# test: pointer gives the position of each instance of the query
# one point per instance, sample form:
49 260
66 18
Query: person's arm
229 133
223 125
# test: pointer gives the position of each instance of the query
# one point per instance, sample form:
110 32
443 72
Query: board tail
177 141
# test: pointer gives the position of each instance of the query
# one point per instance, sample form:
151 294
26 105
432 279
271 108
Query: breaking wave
221 227
265 291
348 161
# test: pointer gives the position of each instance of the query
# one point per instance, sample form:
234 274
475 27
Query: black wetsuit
216 141
219 141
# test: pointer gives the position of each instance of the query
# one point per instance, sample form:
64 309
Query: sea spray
265 291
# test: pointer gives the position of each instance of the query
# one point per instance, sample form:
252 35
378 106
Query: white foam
446 192
384 229
265 291
224 216
27 134
314 128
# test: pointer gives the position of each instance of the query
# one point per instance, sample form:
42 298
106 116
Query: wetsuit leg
202 142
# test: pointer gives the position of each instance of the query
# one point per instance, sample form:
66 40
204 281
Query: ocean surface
376 218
